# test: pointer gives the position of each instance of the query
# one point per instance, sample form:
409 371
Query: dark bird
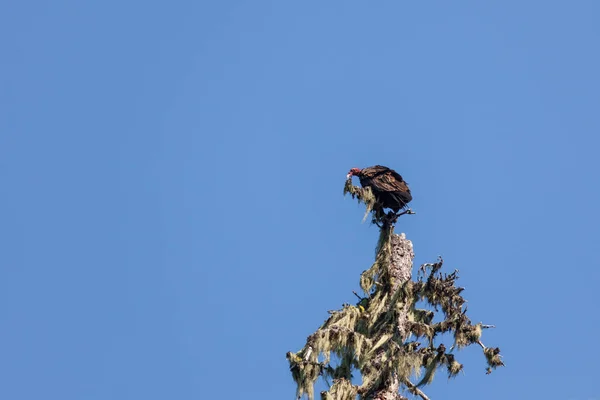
387 185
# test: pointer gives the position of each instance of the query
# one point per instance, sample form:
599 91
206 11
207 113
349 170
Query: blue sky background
172 219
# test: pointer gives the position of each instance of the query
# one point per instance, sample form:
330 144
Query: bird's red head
352 172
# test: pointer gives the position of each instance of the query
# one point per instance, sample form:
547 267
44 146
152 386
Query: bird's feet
408 211
375 222
392 217
389 219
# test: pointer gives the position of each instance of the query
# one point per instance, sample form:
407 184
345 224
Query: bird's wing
377 169
396 175
391 182
371 172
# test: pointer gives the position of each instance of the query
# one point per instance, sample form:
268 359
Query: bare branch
414 389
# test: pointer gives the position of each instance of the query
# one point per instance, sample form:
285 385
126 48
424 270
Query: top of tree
385 344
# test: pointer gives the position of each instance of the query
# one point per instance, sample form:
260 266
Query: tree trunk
400 271
390 392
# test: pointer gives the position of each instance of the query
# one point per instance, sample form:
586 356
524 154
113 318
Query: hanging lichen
364 196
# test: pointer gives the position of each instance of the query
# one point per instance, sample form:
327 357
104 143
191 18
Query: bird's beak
348 176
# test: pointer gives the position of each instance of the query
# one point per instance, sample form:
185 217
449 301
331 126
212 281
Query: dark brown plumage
387 185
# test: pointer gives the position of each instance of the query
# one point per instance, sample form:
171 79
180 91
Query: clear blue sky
172 218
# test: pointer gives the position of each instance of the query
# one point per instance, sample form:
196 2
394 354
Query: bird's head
352 172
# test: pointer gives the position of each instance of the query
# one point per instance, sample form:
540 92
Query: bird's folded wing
391 182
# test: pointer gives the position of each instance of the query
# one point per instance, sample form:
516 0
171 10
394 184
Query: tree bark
400 271
390 392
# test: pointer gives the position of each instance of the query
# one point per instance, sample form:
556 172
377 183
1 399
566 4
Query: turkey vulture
387 185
